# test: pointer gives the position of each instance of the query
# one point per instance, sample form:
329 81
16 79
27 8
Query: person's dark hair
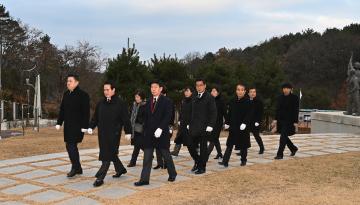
188 88
217 88
241 84
75 76
140 93
200 79
252 88
164 90
111 83
156 82
287 85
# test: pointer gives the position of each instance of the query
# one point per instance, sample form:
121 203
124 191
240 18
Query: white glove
170 131
57 127
128 137
187 126
242 126
256 124
83 130
158 132
226 126
90 131
178 122
209 129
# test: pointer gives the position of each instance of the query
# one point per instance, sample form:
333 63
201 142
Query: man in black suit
286 119
75 114
160 160
237 120
157 118
256 119
202 122
111 115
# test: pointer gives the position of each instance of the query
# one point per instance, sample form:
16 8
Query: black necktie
199 95
153 105
108 99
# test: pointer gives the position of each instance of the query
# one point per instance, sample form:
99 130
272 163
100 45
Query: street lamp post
36 117
1 52
36 102
28 107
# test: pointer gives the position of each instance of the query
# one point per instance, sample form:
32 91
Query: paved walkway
41 179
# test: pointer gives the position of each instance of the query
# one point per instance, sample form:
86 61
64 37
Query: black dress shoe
243 164
200 171
172 179
223 164
218 156
97 174
278 157
118 174
195 167
141 183
238 154
294 152
261 151
98 182
131 165
158 167
74 172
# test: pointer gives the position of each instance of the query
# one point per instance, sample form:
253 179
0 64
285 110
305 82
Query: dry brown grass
330 179
48 140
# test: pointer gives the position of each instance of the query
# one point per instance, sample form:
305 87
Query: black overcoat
221 111
258 110
74 113
203 114
110 117
184 118
239 112
287 113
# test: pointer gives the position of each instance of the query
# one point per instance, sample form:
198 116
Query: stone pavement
42 178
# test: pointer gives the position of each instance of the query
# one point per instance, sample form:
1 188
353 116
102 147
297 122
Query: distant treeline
315 62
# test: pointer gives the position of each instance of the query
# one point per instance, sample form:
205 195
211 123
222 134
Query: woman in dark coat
286 119
221 110
137 124
238 119
184 120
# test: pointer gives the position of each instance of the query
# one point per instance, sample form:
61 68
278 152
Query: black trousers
147 163
285 141
201 159
119 167
74 156
258 139
215 143
135 154
159 158
227 154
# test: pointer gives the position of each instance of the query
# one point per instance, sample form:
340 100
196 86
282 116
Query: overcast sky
174 26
